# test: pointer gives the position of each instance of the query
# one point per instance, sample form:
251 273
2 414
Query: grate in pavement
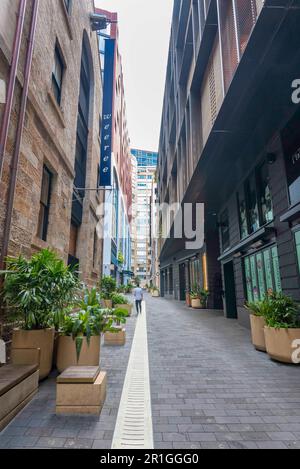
134 422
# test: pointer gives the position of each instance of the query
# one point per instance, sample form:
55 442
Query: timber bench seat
18 384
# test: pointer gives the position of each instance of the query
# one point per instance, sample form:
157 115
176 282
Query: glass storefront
262 273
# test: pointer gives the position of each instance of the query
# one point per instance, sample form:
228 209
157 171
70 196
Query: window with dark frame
262 274
95 248
57 75
43 221
264 194
224 227
297 240
254 200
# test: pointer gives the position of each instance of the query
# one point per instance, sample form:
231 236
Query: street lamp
100 22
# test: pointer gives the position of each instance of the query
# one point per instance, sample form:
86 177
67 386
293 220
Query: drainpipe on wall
19 133
12 80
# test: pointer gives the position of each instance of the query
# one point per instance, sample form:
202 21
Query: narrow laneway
211 389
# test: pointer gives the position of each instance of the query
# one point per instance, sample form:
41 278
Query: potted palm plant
120 301
259 310
282 328
195 296
37 289
81 330
108 286
204 295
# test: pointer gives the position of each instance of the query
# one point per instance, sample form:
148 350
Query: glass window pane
276 268
248 279
252 204
254 278
261 275
268 270
242 215
265 199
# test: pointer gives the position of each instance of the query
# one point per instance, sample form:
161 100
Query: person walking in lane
138 296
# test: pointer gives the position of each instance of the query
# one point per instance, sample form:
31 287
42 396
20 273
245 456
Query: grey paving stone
49 442
79 443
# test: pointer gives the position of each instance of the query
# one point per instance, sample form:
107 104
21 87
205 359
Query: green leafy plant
278 310
89 319
204 295
118 299
154 289
261 308
121 289
128 288
195 293
108 286
38 289
119 317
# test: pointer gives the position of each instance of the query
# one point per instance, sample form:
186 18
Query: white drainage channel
134 422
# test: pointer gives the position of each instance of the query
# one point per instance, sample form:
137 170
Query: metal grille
229 43
134 422
246 18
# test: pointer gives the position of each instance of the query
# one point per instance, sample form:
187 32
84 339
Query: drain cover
134 422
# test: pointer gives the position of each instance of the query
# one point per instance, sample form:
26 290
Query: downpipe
19 134
12 80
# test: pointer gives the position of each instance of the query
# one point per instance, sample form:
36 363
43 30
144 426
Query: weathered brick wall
50 134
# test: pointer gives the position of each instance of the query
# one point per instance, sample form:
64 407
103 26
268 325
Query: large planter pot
196 303
188 300
67 356
42 339
115 338
279 343
155 294
127 307
257 331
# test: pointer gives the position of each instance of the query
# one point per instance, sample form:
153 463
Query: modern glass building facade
145 158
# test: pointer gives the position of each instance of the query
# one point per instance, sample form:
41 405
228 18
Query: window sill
67 19
291 214
56 108
264 232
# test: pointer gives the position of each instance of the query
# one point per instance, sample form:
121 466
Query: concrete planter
127 307
115 338
196 303
42 339
279 343
257 331
66 353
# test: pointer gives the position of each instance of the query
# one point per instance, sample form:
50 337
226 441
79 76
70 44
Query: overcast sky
144 40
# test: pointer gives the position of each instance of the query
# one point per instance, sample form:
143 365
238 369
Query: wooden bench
81 390
18 383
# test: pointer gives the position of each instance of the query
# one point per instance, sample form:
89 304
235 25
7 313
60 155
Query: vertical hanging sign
107 114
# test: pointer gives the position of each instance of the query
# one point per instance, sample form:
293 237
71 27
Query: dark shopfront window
45 199
255 202
262 273
224 225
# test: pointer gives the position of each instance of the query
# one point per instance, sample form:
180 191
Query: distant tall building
146 169
115 167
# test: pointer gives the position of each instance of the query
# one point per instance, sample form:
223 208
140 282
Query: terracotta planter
257 331
66 353
279 343
127 307
42 339
196 303
188 300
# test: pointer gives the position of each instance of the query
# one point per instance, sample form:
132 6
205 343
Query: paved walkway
209 389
